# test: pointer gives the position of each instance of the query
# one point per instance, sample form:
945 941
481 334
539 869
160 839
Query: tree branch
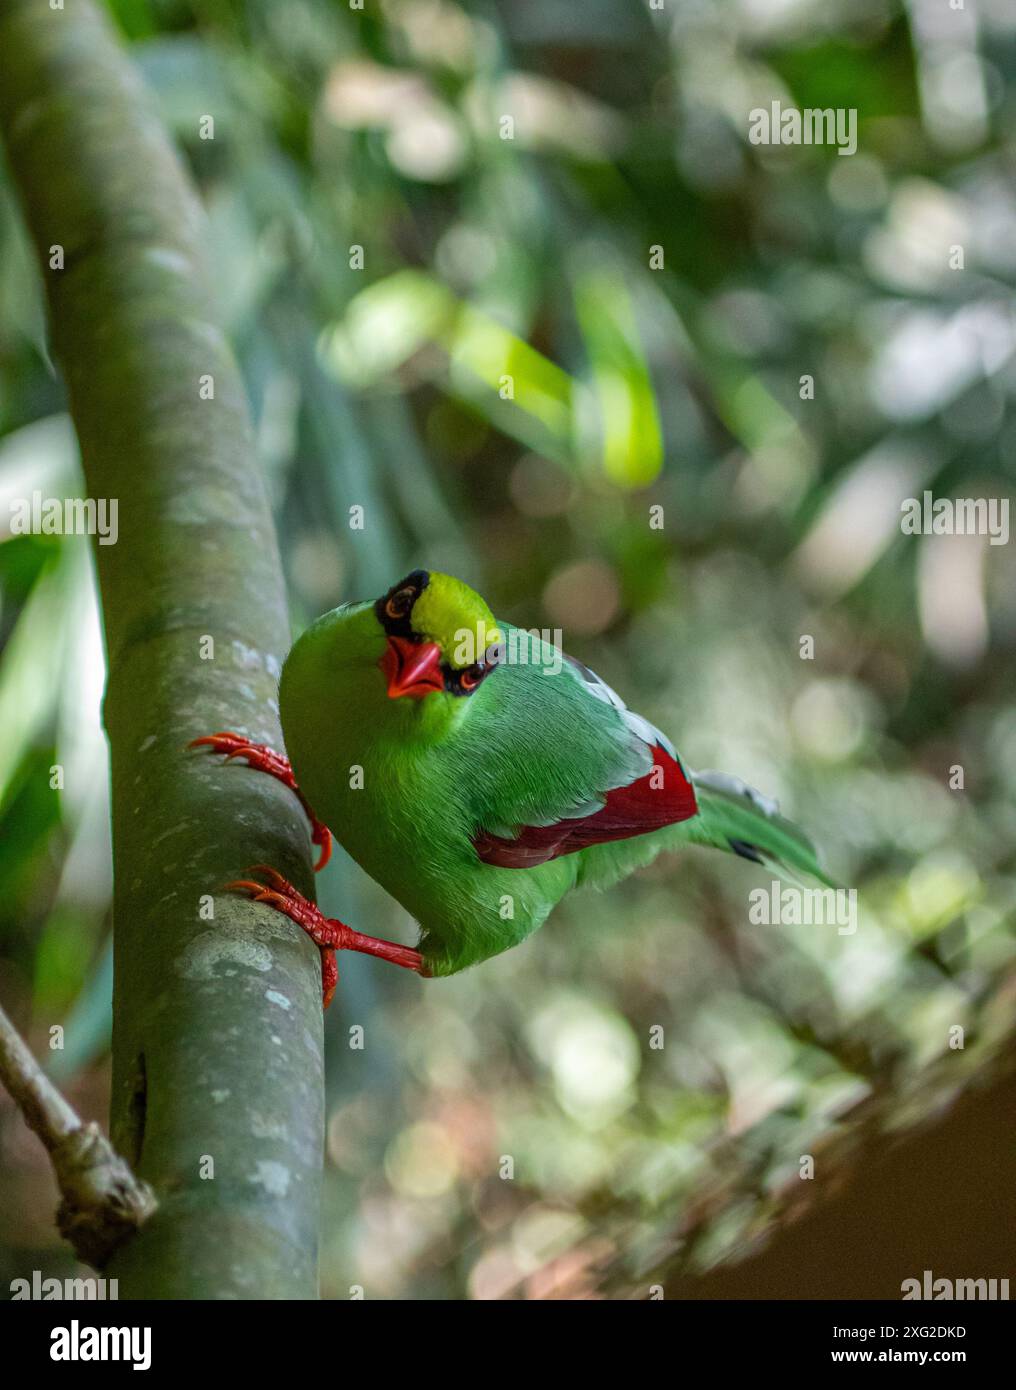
217 1062
103 1202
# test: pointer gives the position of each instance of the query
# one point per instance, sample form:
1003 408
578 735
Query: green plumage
407 784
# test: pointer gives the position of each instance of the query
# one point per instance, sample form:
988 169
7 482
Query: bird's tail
734 816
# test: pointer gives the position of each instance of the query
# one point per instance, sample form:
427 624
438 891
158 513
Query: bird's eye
399 605
471 676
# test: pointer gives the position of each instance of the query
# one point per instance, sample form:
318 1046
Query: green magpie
479 775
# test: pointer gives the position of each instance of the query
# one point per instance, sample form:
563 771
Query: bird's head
441 638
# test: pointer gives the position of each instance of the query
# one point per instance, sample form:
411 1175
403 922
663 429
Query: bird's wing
569 766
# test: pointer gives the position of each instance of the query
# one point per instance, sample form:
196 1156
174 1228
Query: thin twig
103 1202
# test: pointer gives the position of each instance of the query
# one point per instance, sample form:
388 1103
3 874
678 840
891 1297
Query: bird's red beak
412 668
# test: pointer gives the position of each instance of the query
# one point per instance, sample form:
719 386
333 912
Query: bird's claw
264 759
327 933
323 931
321 836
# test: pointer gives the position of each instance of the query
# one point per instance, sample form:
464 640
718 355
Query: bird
479 775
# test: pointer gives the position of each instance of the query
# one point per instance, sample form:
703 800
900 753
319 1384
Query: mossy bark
217 1080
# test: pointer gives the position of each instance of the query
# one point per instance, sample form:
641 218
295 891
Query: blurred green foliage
552 334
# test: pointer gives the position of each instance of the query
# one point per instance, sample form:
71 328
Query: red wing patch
662 797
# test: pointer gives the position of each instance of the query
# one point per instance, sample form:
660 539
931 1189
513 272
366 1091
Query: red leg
328 933
329 974
264 759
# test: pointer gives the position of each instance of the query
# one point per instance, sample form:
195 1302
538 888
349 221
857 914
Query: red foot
264 759
328 933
